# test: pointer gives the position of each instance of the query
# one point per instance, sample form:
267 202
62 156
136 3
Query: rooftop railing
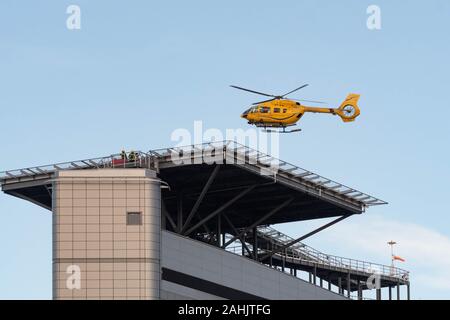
303 253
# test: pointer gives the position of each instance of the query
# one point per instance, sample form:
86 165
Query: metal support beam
379 294
219 210
315 275
205 227
219 229
303 237
398 291
260 221
271 248
255 243
49 190
179 211
390 293
408 292
167 216
348 285
201 196
360 291
244 246
340 285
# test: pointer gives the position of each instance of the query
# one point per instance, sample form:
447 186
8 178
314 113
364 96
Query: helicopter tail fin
349 110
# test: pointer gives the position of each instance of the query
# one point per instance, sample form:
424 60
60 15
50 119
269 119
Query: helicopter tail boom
349 110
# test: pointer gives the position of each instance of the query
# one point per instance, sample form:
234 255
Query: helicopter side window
276 110
264 110
284 110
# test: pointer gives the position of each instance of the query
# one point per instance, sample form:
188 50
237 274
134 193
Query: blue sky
138 70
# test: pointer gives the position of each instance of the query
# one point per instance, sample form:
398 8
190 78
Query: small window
134 218
284 110
276 110
264 109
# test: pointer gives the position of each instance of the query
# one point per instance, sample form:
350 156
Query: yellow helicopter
279 112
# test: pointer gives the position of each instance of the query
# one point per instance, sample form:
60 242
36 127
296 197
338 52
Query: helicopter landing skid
282 131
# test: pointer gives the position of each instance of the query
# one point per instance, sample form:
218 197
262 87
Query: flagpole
392 243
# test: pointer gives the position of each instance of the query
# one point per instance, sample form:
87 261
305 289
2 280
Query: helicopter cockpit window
264 109
276 110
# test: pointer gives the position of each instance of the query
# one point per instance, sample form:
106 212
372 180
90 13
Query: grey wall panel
210 263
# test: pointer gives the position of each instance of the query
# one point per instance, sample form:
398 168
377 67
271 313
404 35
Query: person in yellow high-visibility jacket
123 155
132 156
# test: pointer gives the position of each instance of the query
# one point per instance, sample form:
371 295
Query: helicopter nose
244 115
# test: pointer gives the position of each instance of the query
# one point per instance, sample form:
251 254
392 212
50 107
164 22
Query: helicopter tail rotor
349 110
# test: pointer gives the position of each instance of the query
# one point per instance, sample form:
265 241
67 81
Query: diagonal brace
259 221
219 210
167 216
200 197
240 237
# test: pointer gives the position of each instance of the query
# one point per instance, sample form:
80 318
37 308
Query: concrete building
107 227
194 223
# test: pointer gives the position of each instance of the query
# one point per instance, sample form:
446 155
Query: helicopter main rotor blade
305 85
312 101
252 91
263 101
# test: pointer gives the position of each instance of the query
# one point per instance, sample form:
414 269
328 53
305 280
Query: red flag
398 258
